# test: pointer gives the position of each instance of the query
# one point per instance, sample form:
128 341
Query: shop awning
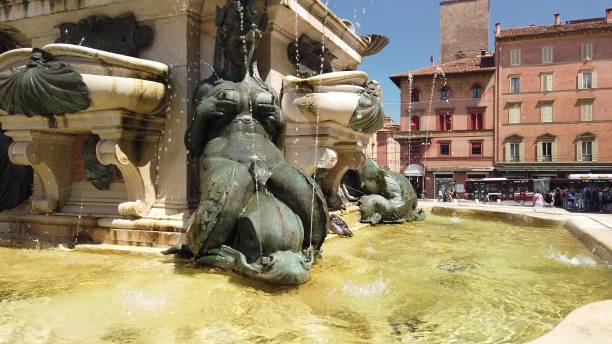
591 176
415 170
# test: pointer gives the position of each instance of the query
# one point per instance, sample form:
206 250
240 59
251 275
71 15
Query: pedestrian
538 199
523 198
548 199
558 200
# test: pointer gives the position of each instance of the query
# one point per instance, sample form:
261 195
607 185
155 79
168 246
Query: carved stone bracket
118 147
49 155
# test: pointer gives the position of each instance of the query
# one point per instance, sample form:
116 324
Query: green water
447 280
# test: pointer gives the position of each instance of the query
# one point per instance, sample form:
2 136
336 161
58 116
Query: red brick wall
566 126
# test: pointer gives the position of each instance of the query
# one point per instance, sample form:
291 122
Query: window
546 151
444 93
546 81
587 51
476 121
515 84
587 150
547 54
586 111
514 148
586 147
514 113
515 155
445 149
546 112
445 122
476 148
476 92
587 80
515 57
415 123
414 96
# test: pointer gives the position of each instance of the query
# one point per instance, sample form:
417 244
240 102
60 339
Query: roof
569 27
464 65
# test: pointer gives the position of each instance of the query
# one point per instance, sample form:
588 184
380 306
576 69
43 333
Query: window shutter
594 79
579 81
589 112
583 51
550 81
579 151
508 152
539 151
521 151
553 150
594 150
543 82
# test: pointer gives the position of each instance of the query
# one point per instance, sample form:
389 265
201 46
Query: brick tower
464 28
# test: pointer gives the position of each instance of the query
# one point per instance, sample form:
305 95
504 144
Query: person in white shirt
538 200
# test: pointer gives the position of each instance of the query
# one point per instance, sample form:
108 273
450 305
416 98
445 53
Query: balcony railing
546 157
587 157
515 158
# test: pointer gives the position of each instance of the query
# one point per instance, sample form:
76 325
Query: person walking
558 199
538 200
523 198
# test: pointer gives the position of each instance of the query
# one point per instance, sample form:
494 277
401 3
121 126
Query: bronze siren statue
257 215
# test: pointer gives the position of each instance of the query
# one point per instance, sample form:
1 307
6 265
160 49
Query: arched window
546 148
586 147
415 96
476 91
515 149
445 93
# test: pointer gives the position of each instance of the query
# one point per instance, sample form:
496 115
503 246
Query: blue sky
413 27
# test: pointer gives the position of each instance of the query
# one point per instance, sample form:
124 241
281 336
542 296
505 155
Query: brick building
464 28
448 133
383 148
554 100
447 112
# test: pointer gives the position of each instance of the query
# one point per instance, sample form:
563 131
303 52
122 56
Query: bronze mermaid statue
257 215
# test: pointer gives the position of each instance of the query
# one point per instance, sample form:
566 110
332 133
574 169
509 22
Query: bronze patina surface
257 215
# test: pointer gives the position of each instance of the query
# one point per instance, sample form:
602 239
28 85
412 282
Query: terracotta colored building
447 112
554 100
384 149
447 136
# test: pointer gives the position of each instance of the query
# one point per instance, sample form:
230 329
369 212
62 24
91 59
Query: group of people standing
590 199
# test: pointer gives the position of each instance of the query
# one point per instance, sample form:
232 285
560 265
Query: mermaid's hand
225 104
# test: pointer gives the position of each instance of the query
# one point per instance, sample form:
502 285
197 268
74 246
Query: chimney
432 60
497 30
609 15
557 19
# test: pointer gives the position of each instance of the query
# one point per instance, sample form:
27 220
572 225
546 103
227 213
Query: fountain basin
118 98
471 280
331 97
114 81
